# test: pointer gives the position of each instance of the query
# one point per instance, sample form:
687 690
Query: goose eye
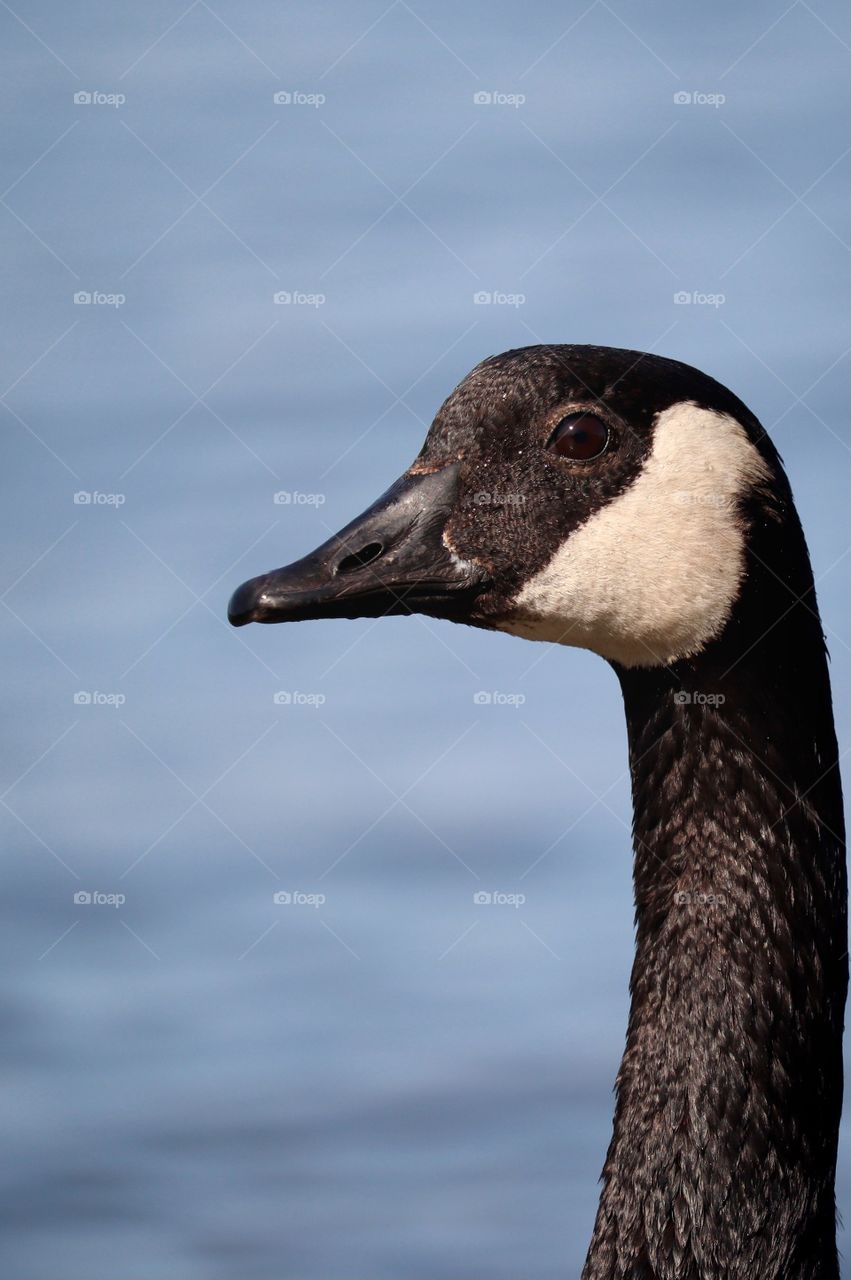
579 437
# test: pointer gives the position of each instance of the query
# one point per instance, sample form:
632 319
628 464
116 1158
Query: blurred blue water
200 1083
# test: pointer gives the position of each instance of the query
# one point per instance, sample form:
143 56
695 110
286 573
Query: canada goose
631 505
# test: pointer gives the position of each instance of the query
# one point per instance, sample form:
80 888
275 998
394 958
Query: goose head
631 505
582 495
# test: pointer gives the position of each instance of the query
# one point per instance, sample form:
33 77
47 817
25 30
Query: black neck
729 1094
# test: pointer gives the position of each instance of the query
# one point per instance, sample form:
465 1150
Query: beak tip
242 607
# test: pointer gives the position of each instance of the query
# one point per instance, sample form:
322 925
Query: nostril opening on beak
358 559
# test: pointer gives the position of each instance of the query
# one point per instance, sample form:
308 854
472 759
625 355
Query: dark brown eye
579 437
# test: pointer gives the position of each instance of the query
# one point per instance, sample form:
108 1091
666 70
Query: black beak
390 560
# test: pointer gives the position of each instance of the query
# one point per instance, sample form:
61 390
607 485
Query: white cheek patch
653 576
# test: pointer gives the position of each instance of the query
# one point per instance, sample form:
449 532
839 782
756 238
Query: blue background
199 1083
